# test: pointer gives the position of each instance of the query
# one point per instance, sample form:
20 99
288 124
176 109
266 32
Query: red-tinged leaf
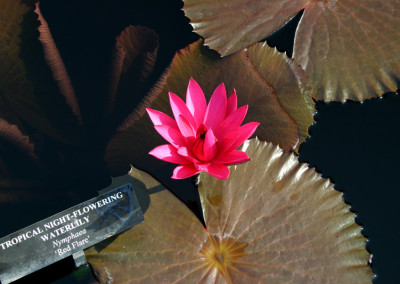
229 26
273 220
137 136
27 89
15 150
350 49
56 64
135 54
290 82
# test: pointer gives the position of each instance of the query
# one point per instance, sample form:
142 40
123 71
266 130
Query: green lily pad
290 83
273 221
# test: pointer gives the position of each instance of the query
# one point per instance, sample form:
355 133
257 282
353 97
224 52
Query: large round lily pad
273 221
349 48
137 135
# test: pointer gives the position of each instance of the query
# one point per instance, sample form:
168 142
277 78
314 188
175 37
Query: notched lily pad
137 136
229 26
134 57
141 256
290 82
273 221
349 48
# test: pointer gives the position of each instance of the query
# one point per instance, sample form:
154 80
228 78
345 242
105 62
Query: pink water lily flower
203 138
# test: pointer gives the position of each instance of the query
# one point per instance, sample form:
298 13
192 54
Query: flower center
201 132
223 254
201 151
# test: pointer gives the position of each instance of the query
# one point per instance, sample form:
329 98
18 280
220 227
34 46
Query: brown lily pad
349 48
229 26
12 140
137 256
273 221
134 56
24 93
290 83
137 135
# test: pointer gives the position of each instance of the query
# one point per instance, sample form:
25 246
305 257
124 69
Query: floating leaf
139 137
229 26
289 81
163 256
349 48
273 221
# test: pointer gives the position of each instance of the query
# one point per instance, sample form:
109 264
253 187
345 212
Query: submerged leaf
28 92
134 57
237 72
349 48
290 83
273 221
15 150
56 64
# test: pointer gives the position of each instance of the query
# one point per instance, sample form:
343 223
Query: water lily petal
179 108
231 104
184 151
160 118
185 127
210 146
218 171
195 101
184 171
232 122
168 153
227 141
201 166
245 131
170 134
216 109
233 157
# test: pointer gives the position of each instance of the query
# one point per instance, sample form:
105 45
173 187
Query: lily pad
229 26
134 57
24 93
141 256
273 221
137 135
349 48
290 83
13 141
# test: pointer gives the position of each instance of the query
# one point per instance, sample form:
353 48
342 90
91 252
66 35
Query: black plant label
68 232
